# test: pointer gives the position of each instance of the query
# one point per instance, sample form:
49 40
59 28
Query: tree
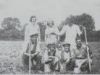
83 20
10 23
11 29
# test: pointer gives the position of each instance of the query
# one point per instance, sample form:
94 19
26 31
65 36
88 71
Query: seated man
81 56
33 52
65 57
51 60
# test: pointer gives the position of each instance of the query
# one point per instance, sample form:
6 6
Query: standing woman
51 33
31 29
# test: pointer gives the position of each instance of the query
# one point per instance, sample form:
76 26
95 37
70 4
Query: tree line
11 29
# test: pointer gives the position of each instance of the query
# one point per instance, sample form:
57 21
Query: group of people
48 53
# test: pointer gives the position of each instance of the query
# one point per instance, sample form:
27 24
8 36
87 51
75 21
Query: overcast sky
49 9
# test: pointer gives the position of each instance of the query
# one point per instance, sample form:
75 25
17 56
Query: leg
79 63
47 68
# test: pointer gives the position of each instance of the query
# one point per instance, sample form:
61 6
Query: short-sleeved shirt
31 30
51 38
71 33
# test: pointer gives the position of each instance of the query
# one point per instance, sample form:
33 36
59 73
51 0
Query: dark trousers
36 59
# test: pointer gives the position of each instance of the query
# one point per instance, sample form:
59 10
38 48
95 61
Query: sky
57 10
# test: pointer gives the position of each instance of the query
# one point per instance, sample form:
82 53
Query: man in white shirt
71 31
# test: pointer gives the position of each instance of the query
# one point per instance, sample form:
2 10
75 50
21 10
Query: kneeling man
81 57
50 58
32 51
65 57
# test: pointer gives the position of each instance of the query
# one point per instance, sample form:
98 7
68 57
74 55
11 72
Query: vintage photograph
49 37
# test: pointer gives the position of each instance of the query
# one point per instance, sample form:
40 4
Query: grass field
95 47
10 63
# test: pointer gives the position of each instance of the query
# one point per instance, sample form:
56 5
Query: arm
78 31
31 54
52 57
63 30
27 36
68 58
36 53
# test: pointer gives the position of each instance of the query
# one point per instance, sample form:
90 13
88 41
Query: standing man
71 31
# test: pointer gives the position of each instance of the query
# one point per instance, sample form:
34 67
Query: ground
10 63
95 47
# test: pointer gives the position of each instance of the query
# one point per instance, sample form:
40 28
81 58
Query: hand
34 54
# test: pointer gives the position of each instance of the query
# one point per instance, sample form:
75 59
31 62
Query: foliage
11 30
10 23
84 19
92 36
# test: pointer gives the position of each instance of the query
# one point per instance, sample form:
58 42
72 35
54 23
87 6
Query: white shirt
66 56
51 38
58 53
29 30
71 33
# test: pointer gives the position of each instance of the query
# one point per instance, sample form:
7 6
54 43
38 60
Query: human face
66 48
33 20
33 40
52 48
51 24
79 44
70 24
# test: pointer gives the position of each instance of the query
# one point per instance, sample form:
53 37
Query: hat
66 44
79 40
34 35
58 44
53 34
50 45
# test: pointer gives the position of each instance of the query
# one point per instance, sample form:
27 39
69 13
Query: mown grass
95 47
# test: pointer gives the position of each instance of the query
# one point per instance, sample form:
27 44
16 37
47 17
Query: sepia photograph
49 37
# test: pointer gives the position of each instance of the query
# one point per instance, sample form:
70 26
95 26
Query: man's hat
66 44
51 45
58 45
34 35
79 40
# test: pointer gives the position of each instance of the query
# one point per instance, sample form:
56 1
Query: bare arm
78 31
31 54
63 30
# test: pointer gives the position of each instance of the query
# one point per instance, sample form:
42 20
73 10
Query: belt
80 58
